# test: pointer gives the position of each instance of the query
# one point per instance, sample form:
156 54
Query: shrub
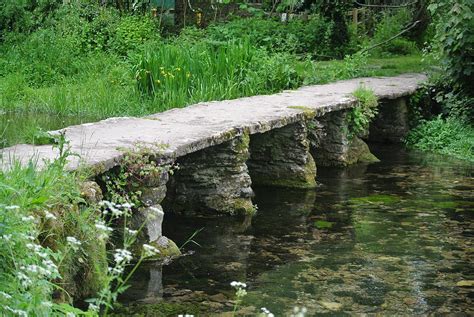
390 25
454 41
444 136
362 114
297 36
133 31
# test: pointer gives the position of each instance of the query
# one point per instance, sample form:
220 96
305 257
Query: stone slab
101 144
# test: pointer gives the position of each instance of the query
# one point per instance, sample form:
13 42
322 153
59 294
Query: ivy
455 39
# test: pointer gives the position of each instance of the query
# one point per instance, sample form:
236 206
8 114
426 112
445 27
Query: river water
390 238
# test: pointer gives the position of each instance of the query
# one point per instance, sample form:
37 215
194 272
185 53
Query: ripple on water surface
390 238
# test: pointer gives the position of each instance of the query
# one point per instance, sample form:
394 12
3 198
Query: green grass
444 136
39 209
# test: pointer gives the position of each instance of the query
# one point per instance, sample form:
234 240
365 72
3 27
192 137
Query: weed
361 115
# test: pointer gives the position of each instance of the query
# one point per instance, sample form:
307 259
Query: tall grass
39 210
178 74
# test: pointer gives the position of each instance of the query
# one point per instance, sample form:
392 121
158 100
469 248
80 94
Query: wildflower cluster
266 312
149 250
239 294
28 267
115 210
299 311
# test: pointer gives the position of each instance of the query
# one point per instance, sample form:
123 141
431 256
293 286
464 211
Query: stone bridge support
149 217
281 157
391 123
214 179
331 144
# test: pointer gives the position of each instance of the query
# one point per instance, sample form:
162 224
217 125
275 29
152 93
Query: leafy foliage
444 136
362 114
390 25
297 36
454 40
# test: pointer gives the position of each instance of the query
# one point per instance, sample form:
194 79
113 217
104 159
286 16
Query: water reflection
391 238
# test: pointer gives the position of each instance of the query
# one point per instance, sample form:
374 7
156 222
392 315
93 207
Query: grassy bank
444 136
89 62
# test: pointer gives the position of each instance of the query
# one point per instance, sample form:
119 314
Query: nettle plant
363 113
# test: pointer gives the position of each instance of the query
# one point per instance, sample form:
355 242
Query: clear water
389 238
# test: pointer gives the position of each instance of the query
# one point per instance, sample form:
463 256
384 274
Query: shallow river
390 238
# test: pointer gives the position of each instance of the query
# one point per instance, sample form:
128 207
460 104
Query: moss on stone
244 206
242 144
308 112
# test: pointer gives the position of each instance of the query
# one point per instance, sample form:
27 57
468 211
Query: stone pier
280 157
213 180
391 123
332 145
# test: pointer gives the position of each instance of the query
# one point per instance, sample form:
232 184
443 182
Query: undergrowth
444 136
361 115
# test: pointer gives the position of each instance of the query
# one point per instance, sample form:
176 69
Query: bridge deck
195 127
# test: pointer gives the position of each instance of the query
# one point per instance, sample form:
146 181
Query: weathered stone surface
153 195
100 145
152 219
91 192
281 157
215 179
167 247
391 123
331 144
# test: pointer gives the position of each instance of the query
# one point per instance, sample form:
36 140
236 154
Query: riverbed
393 237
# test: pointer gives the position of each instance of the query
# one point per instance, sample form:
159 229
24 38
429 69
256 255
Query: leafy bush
24 16
444 136
389 26
362 114
297 36
454 40
133 31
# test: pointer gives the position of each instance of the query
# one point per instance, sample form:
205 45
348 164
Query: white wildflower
12 207
127 206
236 284
131 232
17 312
116 270
47 304
150 250
28 219
24 279
5 295
122 256
70 314
49 215
7 237
73 242
93 308
35 247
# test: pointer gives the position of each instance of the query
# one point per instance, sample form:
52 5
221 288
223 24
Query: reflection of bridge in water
225 147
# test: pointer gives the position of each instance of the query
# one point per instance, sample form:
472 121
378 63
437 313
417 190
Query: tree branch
392 38
385 5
